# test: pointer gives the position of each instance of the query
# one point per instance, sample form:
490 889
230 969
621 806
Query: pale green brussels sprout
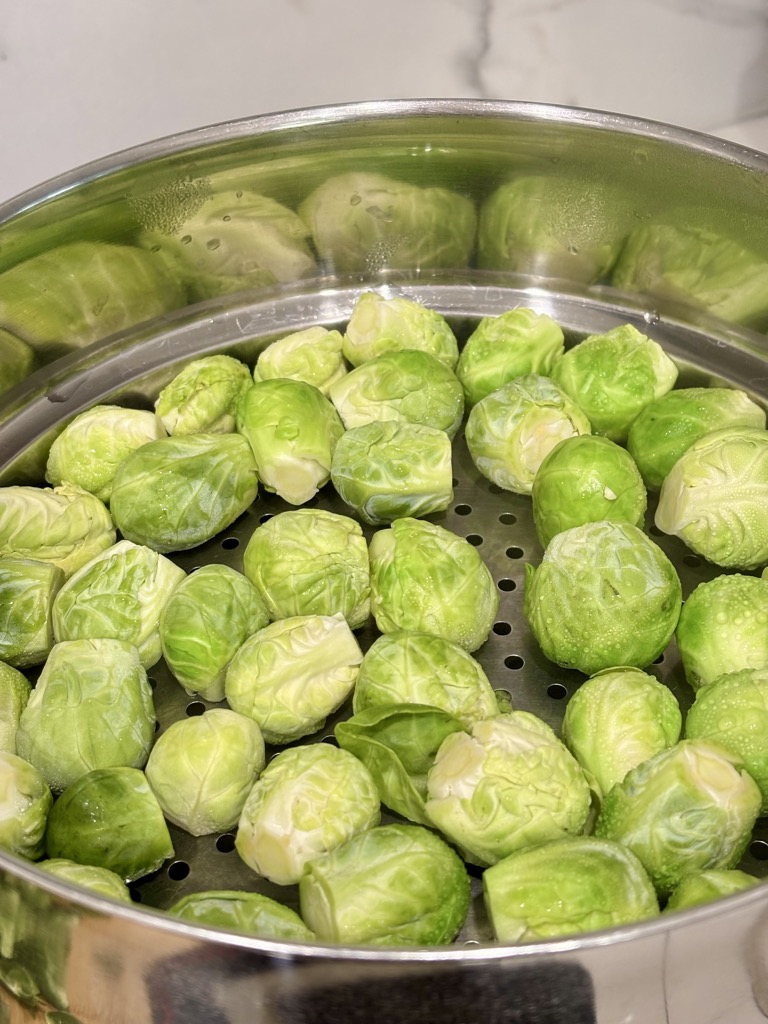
311 562
202 398
292 674
705 886
17 360
306 802
178 492
27 592
380 324
501 348
508 784
101 881
714 498
92 707
15 689
407 385
64 525
685 809
368 221
313 355
616 720
119 594
585 479
511 430
666 427
388 470
613 376
202 624
394 885
201 769
250 913
25 804
427 579
110 818
604 595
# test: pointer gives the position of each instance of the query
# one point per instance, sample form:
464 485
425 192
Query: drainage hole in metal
225 843
514 661
556 691
178 870
195 709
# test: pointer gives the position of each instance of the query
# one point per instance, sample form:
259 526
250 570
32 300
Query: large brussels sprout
395 885
101 881
92 707
250 913
604 595
428 579
379 324
313 355
202 398
17 360
25 803
706 886
27 591
306 802
15 689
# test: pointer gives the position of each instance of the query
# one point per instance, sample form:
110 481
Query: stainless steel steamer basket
64 951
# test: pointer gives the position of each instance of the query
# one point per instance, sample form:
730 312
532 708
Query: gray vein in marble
475 59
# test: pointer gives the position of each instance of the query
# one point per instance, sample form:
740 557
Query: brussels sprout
27 592
714 497
292 429
367 221
178 492
507 346
202 624
666 427
706 886
312 355
99 880
395 885
566 887
427 579
110 818
92 708
613 376
604 595
408 385
306 802
202 769
15 689
202 398
511 430
616 720
379 324
25 803
246 912
510 783
685 809
292 674
119 594
17 360
310 562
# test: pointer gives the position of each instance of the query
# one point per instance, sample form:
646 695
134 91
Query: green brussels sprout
362 220
311 562
292 429
202 398
586 479
714 497
566 887
92 708
119 594
604 595
406 385
313 355
27 592
387 470
202 624
98 880
705 886
394 885
511 430
379 324
428 579
64 525
509 783
501 348
616 720
689 808
178 492
25 804
250 913
15 689
201 769
306 802
613 376
110 818
292 674
17 360
666 427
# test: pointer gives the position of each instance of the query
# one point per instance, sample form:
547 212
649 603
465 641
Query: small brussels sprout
566 887
25 804
379 324
202 398
292 674
311 562
250 913
604 595
616 720
394 885
312 355
511 430
17 360
428 579
685 809
613 376
666 427
306 802
509 783
201 769
15 689
705 886
27 592
99 880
